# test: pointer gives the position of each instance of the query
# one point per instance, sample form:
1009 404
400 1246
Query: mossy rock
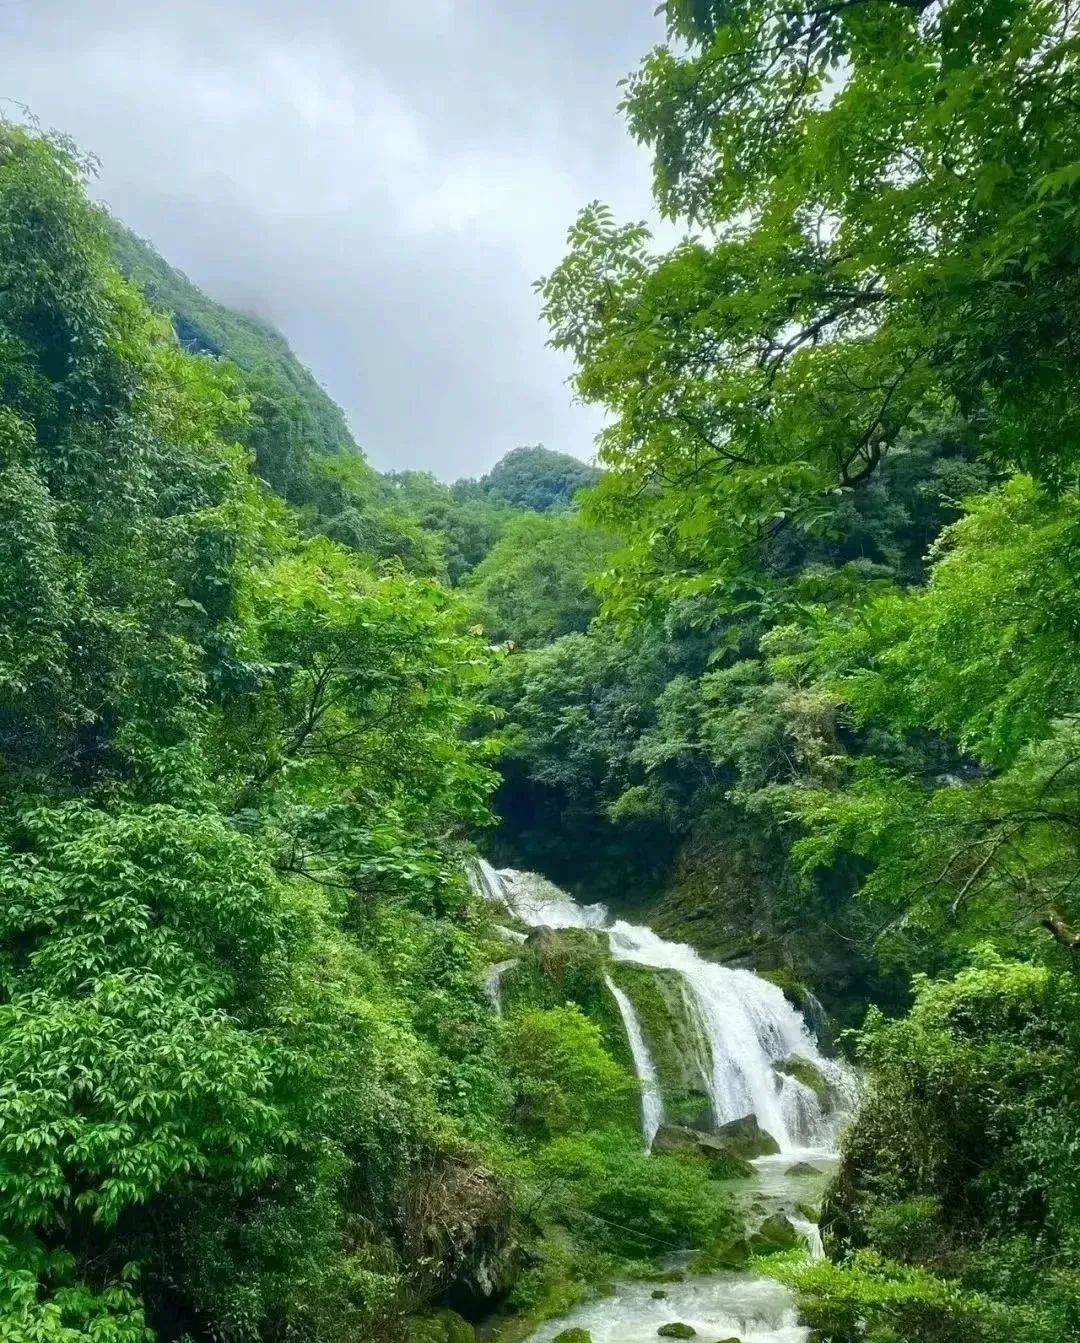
747 1139
659 1294
774 1236
677 1040
573 1336
810 1211
676 1329
727 1154
809 1074
440 1326
802 1168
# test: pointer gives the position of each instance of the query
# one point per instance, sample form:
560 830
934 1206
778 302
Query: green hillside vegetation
251 1084
838 674
792 675
304 451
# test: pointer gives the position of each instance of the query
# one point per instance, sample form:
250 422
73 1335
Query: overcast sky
382 180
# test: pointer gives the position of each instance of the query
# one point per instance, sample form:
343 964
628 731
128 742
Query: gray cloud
384 181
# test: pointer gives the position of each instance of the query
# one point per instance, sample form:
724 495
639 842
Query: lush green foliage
534 584
841 450
228 753
251 1085
538 479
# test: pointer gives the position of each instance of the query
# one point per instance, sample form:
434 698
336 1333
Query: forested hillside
251 1082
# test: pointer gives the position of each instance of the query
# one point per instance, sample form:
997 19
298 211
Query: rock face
457 1225
746 1138
674 1140
677 1330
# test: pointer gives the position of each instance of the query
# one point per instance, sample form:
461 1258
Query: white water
486 882
725 1305
652 1102
811 1233
494 982
749 1024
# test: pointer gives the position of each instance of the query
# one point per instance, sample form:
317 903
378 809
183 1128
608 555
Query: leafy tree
882 238
533 586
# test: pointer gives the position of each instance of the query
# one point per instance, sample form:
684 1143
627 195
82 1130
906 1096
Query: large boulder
774 1235
573 1336
458 1235
677 1330
746 1138
726 1163
802 1168
439 1326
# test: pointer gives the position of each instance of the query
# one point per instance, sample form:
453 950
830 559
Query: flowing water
494 982
752 1033
721 1306
751 1028
652 1103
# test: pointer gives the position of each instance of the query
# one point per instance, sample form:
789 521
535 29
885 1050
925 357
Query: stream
752 1033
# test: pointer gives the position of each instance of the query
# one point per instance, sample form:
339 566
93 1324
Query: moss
441 1326
790 985
809 1074
676 1040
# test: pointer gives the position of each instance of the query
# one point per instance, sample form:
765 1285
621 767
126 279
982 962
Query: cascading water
494 982
750 1027
652 1102
757 1044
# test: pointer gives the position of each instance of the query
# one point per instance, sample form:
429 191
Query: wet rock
659 1294
729 1340
732 1254
809 1074
810 1211
802 1168
675 1140
457 1219
573 1336
677 1330
747 1139
774 1235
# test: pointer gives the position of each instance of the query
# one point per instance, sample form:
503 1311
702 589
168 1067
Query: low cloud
384 182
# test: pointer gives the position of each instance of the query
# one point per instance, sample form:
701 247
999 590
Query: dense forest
792 676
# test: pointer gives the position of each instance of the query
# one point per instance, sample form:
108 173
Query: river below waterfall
756 1041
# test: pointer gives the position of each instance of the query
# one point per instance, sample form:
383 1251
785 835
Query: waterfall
748 1024
540 903
811 1233
652 1103
486 882
493 984
751 1027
